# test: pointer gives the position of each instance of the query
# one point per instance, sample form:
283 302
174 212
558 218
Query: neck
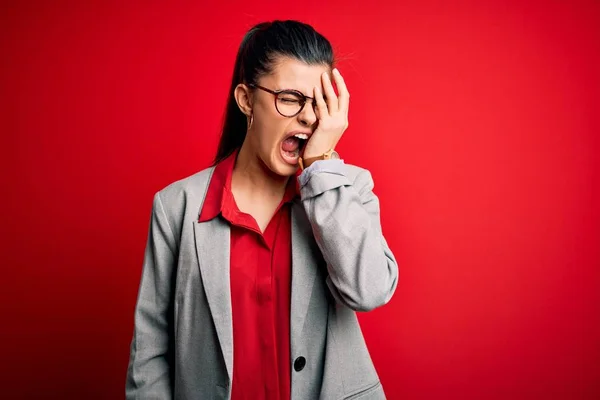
252 179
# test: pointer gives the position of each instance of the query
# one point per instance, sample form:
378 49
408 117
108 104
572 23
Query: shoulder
183 196
191 186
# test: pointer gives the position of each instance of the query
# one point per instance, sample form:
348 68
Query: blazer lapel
212 247
212 239
304 267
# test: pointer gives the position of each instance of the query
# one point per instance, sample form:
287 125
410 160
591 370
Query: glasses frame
276 93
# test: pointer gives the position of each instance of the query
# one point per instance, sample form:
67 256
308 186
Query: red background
479 122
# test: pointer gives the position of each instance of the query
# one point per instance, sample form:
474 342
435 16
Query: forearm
344 216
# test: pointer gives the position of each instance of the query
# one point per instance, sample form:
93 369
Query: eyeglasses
288 102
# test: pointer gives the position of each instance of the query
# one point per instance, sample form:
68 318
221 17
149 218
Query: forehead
290 73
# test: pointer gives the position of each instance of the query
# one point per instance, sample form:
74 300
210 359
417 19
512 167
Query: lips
304 135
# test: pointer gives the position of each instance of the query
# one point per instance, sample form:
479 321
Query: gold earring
251 121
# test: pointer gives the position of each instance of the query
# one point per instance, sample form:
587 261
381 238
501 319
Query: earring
250 121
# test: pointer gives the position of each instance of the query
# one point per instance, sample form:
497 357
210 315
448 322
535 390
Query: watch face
334 155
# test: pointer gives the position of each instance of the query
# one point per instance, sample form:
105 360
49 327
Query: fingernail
335 71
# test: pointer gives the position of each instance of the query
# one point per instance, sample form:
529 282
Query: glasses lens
289 103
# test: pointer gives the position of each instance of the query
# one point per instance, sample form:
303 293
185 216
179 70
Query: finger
321 105
344 97
332 100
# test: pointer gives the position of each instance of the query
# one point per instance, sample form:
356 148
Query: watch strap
306 162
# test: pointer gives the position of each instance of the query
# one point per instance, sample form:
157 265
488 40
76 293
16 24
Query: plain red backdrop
479 122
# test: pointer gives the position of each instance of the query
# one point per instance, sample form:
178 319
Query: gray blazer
182 346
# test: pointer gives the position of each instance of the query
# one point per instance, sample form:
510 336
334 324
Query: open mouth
292 147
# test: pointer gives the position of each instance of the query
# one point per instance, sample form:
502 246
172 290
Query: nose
307 116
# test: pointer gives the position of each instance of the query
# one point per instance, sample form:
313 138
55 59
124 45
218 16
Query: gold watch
330 154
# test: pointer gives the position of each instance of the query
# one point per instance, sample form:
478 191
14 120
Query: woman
252 274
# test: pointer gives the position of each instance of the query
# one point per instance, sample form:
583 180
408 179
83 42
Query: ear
243 98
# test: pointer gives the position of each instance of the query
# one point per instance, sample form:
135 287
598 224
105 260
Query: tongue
291 144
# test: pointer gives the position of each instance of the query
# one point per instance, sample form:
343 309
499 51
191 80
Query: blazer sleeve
344 216
149 370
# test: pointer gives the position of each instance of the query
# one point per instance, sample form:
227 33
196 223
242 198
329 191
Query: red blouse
260 271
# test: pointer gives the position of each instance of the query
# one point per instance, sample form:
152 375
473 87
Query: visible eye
289 100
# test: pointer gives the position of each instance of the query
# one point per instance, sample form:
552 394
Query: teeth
301 136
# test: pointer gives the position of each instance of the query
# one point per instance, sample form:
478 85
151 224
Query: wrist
306 161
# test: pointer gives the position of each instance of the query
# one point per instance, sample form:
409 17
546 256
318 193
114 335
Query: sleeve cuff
321 176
